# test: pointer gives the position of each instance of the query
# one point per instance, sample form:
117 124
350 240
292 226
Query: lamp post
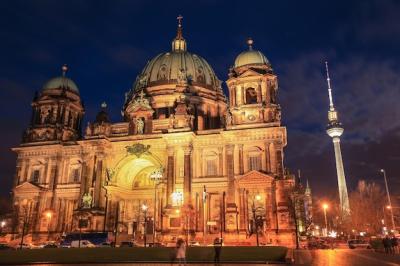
325 207
25 219
144 209
156 177
388 197
254 209
49 215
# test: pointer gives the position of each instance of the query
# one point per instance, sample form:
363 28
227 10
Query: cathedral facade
184 161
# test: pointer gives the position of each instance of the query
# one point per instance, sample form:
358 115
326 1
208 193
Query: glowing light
177 211
332 234
317 227
388 207
49 214
177 198
144 207
3 223
325 206
258 197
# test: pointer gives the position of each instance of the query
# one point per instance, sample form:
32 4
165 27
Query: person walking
394 243
217 250
181 252
386 244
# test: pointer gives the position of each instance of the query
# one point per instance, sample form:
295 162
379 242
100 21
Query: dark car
50 245
4 246
127 244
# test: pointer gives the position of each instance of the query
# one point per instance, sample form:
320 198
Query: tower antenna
328 80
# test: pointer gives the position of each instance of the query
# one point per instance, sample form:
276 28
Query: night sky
107 43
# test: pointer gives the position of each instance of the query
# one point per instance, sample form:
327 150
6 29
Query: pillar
170 173
241 165
187 180
230 172
221 161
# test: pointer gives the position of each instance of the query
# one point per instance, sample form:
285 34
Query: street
345 257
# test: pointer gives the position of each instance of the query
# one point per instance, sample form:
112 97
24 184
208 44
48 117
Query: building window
35 176
75 175
251 96
254 162
211 165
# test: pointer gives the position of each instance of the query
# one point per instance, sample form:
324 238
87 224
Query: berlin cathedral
184 161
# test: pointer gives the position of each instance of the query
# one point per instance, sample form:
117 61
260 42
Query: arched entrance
130 188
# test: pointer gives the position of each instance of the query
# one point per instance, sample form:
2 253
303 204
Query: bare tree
367 206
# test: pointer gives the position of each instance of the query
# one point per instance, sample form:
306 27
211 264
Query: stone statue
86 201
88 130
143 81
228 118
139 126
182 78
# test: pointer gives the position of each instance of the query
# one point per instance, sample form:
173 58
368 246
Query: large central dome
171 67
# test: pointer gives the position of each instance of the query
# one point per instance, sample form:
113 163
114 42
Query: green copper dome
178 65
61 82
251 57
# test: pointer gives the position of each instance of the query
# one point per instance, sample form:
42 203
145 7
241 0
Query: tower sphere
251 57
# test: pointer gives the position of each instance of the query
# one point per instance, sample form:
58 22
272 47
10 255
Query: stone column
267 158
187 180
87 173
99 180
201 163
170 172
241 165
230 172
272 156
279 160
221 161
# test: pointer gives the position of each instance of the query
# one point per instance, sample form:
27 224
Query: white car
83 244
358 243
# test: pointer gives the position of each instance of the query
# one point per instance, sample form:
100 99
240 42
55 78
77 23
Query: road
345 257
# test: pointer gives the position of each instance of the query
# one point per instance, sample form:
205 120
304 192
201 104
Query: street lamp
388 197
156 177
49 215
254 209
325 207
2 225
144 209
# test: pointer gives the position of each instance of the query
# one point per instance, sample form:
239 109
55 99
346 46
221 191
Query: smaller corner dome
251 57
60 82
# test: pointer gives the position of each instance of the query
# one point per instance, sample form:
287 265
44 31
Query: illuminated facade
185 157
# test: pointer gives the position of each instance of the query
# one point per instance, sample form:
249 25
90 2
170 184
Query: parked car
127 244
4 246
358 243
157 244
83 244
105 245
50 245
194 243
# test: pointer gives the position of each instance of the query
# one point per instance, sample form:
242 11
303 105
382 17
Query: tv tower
335 130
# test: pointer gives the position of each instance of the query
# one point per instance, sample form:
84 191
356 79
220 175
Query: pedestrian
386 244
395 244
181 252
217 250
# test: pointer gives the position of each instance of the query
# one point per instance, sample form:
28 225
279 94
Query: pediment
254 178
27 187
249 73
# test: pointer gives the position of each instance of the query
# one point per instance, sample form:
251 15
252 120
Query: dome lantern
179 43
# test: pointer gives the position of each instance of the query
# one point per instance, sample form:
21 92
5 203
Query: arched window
251 96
